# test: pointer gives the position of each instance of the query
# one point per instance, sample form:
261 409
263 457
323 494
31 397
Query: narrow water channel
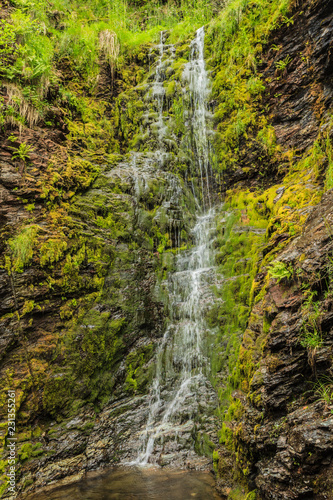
181 399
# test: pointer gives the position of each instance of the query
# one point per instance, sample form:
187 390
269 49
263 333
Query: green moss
24 436
27 307
37 432
87 427
238 257
138 374
3 465
22 246
280 210
30 450
27 482
171 89
251 496
266 325
203 445
52 250
56 394
235 41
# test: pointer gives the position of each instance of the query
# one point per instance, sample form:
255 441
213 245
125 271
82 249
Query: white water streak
181 354
199 86
181 364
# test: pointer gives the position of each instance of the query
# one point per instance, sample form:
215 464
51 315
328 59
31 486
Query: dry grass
16 99
109 47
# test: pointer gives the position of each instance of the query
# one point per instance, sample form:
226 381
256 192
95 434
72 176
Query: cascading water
181 359
158 93
181 390
175 422
199 88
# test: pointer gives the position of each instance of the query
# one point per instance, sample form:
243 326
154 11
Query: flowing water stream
181 395
182 362
199 89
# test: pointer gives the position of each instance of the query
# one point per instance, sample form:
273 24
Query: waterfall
199 88
158 94
182 362
181 386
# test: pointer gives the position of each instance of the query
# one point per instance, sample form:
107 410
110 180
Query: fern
281 65
22 152
279 270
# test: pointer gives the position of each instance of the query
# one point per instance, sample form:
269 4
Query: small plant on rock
311 338
23 152
324 389
281 65
280 270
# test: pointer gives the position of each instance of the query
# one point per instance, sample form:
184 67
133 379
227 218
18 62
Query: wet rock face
281 429
296 69
287 430
303 90
126 323
83 311
81 322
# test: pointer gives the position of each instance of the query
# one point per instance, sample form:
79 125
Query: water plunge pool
137 483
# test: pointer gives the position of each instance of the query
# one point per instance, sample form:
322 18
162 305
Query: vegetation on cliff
83 243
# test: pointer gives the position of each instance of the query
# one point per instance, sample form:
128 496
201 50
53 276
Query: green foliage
23 152
135 362
329 171
311 336
28 307
93 346
178 113
52 250
238 257
283 63
279 270
311 340
29 450
251 496
34 41
8 49
267 138
236 39
324 389
56 394
21 247
203 445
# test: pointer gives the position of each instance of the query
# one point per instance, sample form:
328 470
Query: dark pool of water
132 483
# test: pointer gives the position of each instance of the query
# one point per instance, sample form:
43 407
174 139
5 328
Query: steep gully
285 452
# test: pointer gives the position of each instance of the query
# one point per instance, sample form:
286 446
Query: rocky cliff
279 424
90 229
